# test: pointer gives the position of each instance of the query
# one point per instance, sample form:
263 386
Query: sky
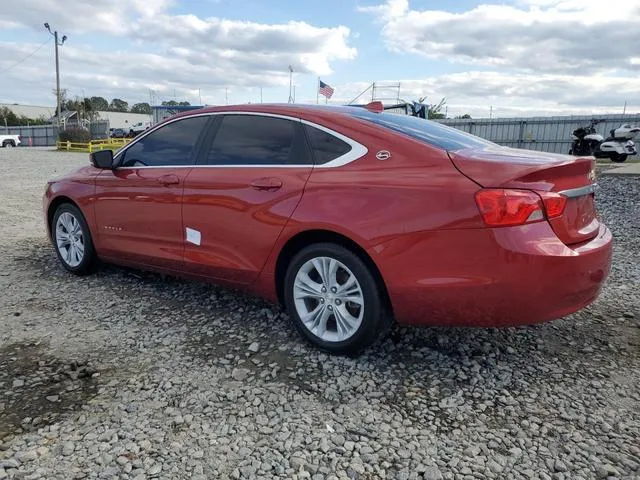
507 57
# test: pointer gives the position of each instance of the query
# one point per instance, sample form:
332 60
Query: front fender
77 188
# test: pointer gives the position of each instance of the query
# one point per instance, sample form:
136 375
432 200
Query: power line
27 57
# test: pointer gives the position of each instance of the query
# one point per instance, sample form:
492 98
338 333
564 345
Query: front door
138 205
250 179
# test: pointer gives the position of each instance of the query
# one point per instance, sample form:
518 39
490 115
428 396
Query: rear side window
257 140
325 146
430 132
170 145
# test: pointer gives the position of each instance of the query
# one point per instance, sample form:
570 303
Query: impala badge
383 155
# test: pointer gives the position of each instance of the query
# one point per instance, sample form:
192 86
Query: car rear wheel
72 240
333 299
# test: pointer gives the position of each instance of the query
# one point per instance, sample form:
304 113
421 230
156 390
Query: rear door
239 198
138 205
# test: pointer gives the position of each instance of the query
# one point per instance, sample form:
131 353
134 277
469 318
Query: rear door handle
270 184
169 179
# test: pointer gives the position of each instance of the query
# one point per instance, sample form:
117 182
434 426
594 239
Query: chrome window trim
580 191
357 149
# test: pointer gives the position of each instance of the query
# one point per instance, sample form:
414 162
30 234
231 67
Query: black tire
618 158
376 320
8 144
89 260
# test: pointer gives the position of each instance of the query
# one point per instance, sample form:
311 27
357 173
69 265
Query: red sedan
348 216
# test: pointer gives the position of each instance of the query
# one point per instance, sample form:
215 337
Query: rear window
325 146
433 133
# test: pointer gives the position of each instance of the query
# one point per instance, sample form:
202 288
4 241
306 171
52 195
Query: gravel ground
126 374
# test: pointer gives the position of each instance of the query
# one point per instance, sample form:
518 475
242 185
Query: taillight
501 207
554 203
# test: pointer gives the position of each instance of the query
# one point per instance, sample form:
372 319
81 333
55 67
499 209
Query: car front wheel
333 299
72 240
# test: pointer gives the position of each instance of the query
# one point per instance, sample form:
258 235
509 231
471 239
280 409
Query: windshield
433 133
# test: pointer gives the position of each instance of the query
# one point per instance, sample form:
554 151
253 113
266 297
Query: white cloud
81 16
168 52
563 36
513 94
305 47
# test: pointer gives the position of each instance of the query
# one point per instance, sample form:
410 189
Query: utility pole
226 95
260 94
624 109
291 84
58 44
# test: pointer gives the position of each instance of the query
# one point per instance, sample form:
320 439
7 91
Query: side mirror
102 159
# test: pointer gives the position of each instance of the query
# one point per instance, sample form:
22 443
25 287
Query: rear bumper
491 277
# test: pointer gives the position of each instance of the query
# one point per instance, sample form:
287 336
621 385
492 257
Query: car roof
289 109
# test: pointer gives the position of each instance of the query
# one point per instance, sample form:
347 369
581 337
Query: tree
465 116
141 108
99 104
435 111
71 105
10 119
7 117
173 103
88 110
118 105
63 98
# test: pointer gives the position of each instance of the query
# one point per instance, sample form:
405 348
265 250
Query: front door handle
169 179
270 184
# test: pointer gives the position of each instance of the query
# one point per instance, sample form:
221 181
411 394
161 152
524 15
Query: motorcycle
617 147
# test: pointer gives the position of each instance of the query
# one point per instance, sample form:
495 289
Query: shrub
72 134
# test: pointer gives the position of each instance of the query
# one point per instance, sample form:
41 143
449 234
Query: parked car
118 133
348 216
9 141
138 128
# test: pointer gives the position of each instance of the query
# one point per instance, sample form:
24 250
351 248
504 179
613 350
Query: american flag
325 89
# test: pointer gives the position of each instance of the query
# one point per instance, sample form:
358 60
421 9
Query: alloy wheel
328 299
70 239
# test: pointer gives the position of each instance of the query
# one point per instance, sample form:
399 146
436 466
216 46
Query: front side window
171 145
326 147
257 140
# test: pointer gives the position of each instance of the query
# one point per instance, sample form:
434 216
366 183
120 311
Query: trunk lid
574 177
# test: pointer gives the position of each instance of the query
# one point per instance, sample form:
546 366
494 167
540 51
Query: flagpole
318 91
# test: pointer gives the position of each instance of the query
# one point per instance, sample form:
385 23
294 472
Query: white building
116 119
123 119
30 111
